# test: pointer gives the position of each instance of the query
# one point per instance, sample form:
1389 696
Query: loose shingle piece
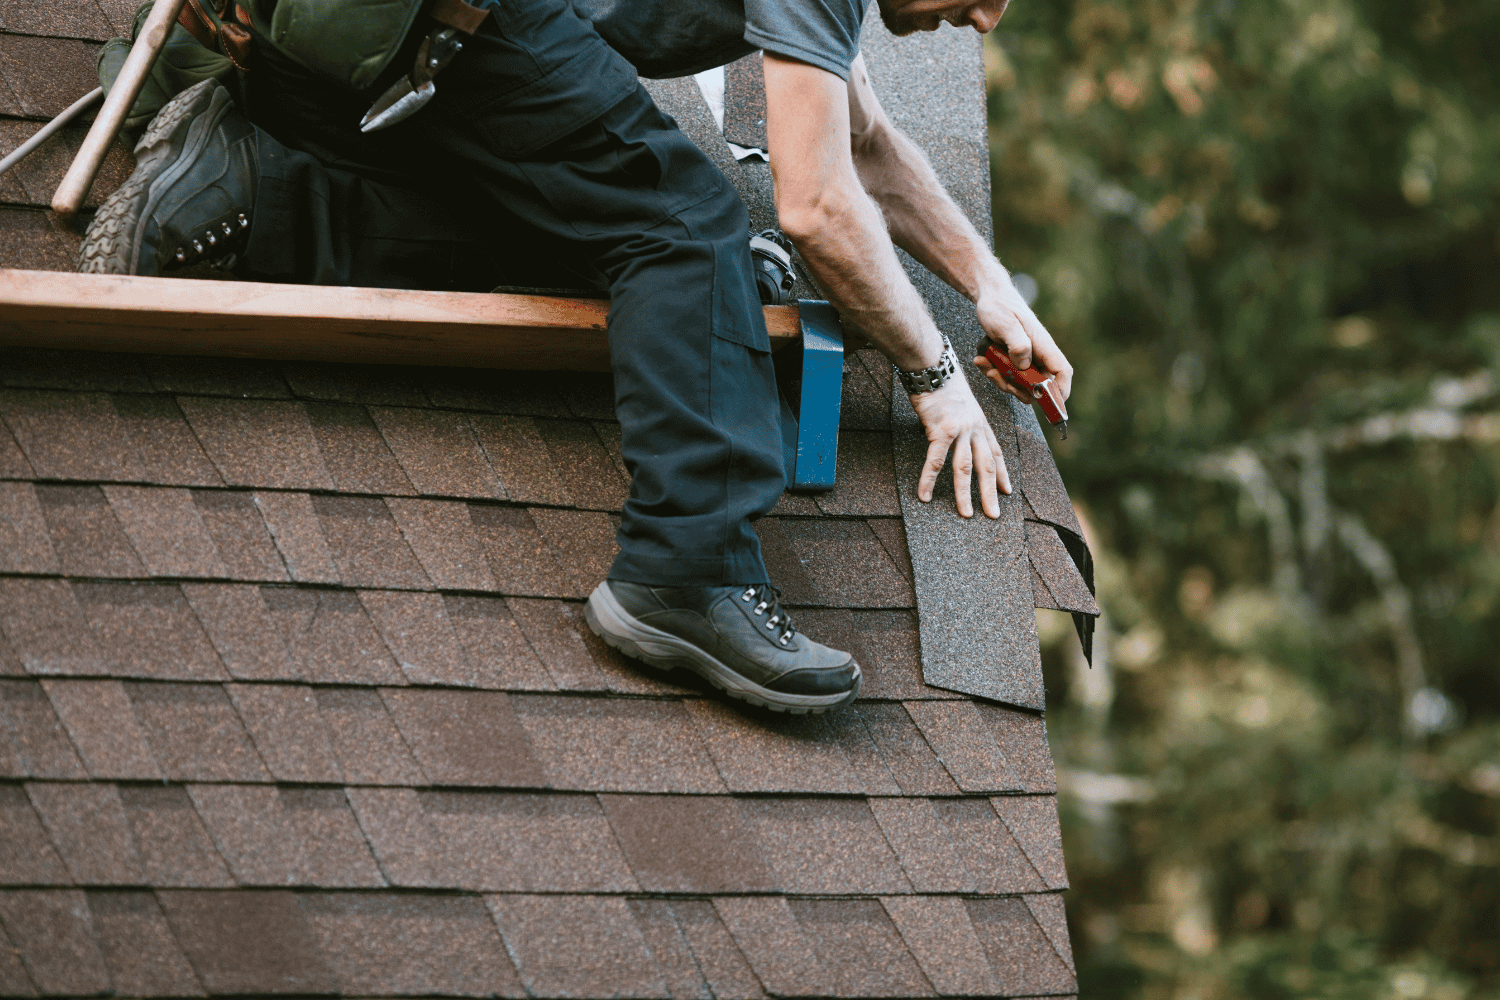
298 697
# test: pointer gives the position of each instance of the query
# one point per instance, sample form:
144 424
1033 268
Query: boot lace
767 598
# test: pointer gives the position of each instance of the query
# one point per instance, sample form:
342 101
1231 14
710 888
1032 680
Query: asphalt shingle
25 546
577 946
1023 959
497 652
405 842
521 561
27 856
958 735
88 827
242 630
86 534
335 853
46 628
166 531
773 942
55 932
149 630
789 754
254 442
941 937
518 453
355 453
688 844
822 846
465 737
70 435
923 843
38 744
139 948
366 544
239 535
855 940
298 535
674 956
195 733
905 752
1022 738
288 731
330 637
248 942
1032 820
158 432
365 739
175 850
441 535
993 858
584 542
419 634
438 451
101 723
593 479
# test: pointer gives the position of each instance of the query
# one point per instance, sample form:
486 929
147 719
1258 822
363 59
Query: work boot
737 638
191 195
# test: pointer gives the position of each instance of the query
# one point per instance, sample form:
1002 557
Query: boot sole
113 242
633 637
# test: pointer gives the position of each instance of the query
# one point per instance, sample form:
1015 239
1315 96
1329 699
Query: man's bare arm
841 234
924 221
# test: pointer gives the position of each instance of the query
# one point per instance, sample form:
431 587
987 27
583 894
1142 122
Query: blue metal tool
810 374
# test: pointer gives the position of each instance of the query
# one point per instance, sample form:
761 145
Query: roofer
539 144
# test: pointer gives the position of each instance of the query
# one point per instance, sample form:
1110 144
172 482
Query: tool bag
201 44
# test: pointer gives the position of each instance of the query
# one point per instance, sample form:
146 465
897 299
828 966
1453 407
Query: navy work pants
541 145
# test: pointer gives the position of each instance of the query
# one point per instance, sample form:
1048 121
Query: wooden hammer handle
148 45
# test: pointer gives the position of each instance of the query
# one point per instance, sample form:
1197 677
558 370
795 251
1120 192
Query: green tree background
1267 233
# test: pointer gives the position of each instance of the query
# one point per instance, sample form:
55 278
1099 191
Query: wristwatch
930 379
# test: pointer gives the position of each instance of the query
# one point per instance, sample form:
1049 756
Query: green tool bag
183 62
346 41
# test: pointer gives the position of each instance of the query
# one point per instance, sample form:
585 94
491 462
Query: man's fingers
937 453
985 458
999 381
963 471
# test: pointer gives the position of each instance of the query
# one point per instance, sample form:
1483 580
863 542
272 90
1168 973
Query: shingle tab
366 544
164 527
255 442
1050 559
46 628
26 853
941 937
905 751
330 637
789 754
25 545
441 535
175 850
520 559
418 634
465 737
70 435
1047 909
405 842
555 634
1038 476
856 941
824 846
528 843
1032 820
594 481
866 481
403 945
365 739
769 936
102 726
15 981
240 535
924 844
864 756
1024 961
497 652
139 948
169 452
55 932
892 534
86 534
958 735
149 630
893 663
606 745
335 853
584 946
993 858
866 403
195 733
13 464
519 454
288 731
299 536
723 965
1022 738
842 564
39 746
439 452
584 542
88 827
356 455
242 630
674 956
688 844
248 942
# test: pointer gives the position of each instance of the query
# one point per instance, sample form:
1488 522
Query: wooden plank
245 319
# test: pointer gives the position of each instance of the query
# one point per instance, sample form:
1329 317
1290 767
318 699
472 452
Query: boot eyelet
227 228
747 595
197 247
212 240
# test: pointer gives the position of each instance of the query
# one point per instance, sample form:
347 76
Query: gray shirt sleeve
823 33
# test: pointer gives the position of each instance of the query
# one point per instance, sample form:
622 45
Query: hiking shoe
190 196
737 638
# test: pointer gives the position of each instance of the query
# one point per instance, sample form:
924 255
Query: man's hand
1008 320
953 420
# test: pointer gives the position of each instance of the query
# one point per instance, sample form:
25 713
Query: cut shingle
260 443
609 745
820 846
866 481
248 942
521 561
688 844
38 745
46 628
439 452
404 840
242 630
442 536
1032 820
365 739
86 534
892 534
1023 959
924 845
958 735
403 945
150 630
366 544
856 942
496 651
55 932
905 752
789 754
465 737
164 527
1022 738
158 432
1039 479
253 833
418 634
518 453
288 731
26 853
1059 573
769 936
240 535
102 726
175 850
674 956
298 535
195 733
528 843
994 860
940 936
25 545
70 435
334 851
139 948
88 827
356 455
582 946
330 637
594 481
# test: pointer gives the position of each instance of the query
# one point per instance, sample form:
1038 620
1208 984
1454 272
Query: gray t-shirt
665 38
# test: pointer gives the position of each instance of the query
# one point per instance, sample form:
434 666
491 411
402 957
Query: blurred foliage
1267 234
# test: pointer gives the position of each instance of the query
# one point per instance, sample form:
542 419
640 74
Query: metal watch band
930 379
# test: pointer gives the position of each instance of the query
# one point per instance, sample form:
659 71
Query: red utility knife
1042 385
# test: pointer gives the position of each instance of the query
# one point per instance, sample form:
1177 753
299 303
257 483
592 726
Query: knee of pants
719 217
